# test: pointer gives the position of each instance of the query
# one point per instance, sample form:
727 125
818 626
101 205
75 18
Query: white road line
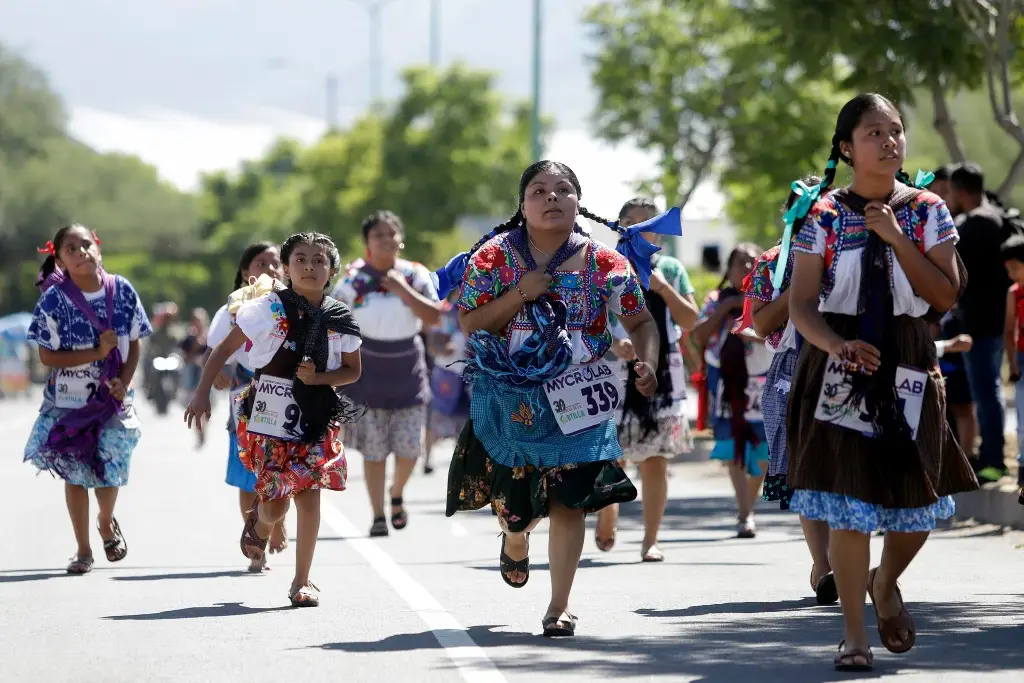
469 658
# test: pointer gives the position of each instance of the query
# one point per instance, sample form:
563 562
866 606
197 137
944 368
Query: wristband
525 300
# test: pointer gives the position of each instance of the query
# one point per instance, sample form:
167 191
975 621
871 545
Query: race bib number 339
274 410
584 396
74 387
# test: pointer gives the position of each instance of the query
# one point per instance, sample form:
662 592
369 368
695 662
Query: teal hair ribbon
923 179
805 198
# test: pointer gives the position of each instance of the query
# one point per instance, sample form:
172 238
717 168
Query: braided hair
50 262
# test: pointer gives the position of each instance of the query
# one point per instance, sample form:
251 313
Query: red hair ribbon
48 249
96 238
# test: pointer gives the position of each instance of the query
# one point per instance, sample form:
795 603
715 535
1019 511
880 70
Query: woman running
258 259
302 345
391 299
652 430
737 364
87 324
769 307
541 441
869 445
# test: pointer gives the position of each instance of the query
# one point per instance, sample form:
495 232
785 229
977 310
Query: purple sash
77 434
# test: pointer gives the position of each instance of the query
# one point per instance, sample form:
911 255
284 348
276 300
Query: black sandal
379 527
116 548
844 659
400 520
555 627
253 547
507 565
825 590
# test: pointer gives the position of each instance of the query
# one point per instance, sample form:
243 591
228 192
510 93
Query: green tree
711 96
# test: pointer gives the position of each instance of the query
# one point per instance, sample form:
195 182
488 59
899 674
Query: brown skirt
829 458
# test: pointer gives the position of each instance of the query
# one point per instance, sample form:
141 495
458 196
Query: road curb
992 504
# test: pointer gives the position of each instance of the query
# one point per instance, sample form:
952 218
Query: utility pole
535 119
332 102
373 9
435 33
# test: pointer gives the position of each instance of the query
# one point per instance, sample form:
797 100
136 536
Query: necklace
542 252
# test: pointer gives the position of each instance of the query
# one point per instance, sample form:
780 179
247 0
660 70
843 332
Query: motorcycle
165 381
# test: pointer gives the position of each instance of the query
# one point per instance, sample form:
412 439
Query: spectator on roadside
983 303
940 184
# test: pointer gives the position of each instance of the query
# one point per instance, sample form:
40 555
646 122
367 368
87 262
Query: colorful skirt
844 478
116 444
672 437
775 404
284 469
519 495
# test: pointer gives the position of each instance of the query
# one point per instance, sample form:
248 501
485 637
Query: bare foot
278 537
604 533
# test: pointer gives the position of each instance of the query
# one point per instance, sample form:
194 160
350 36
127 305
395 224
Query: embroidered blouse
265 324
758 358
606 284
839 235
762 289
382 315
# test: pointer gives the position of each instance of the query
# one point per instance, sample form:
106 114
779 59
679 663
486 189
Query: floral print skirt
284 469
519 495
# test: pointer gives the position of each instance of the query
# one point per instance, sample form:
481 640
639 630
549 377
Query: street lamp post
373 9
535 119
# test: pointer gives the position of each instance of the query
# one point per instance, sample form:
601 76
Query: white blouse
265 324
383 315
839 235
220 328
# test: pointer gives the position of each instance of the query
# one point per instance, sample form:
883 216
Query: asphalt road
427 604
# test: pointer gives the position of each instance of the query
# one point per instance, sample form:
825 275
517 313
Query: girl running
869 445
541 441
261 258
87 324
302 345
769 306
737 364
652 430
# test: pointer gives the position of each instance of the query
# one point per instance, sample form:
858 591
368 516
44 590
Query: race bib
74 387
274 410
835 388
584 396
754 392
675 370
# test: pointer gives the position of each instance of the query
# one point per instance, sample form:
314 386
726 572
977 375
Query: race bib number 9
754 392
74 387
835 388
274 410
584 396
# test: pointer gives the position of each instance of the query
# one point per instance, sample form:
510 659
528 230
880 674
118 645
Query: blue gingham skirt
775 404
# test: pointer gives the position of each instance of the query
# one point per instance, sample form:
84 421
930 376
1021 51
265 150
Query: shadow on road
225 573
221 609
793 642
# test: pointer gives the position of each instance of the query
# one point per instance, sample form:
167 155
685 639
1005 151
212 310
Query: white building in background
698 235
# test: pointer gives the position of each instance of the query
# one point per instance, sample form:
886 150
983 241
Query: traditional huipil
543 401
83 434
394 385
782 344
288 432
855 472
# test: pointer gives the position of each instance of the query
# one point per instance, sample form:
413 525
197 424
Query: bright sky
182 145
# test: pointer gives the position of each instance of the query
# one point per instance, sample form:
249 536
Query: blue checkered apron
775 404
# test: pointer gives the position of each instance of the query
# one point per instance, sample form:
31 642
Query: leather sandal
556 627
507 565
399 520
844 659
304 596
80 565
889 628
253 547
116 548
826 592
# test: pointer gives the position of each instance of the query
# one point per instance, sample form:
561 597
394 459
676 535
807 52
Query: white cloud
181 146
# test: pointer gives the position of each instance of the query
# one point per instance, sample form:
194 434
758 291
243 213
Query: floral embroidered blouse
382 315
606 284
760 288
839 235
265 323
